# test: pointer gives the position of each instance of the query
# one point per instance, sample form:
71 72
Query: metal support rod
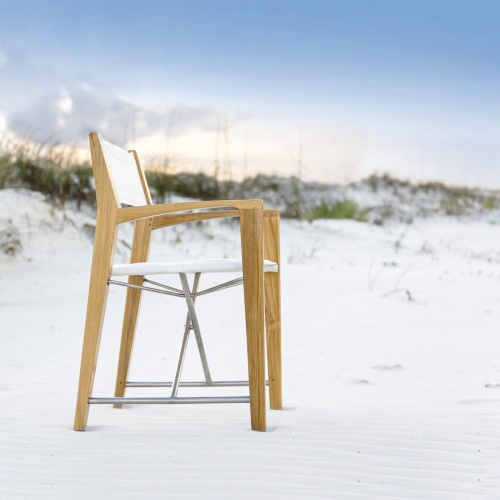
185 339
170 401
165 287
191 323
228 383
146 288
196 326
175 292
191 320
222 286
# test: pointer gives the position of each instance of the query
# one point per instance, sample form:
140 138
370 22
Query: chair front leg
104 249
252 246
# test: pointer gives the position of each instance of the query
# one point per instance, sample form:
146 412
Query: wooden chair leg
104 248
140 252
130 317
273 309
252 246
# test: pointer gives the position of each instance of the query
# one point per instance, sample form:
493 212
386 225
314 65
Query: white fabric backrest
124 174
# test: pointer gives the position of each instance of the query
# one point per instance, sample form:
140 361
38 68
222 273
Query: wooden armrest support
172 219
144 212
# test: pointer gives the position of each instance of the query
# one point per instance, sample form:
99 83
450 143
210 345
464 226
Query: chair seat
188 266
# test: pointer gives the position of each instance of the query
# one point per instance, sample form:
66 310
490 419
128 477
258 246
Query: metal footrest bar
169 401
230 383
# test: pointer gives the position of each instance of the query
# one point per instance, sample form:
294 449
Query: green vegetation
491 203
343 209
58 184
63 176
56 172
200 186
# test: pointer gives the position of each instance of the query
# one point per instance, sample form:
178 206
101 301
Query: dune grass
62 175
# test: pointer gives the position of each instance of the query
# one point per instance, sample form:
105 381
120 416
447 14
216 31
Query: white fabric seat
189 266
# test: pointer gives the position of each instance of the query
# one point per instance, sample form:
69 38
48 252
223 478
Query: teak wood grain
102 261
252 249
273 308
141 244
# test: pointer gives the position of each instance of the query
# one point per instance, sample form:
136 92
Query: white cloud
68 116
66 104
195 138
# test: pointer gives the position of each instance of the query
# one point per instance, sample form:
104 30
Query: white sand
384 396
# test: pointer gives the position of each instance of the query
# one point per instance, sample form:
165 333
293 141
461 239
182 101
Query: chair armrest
172 219
150 211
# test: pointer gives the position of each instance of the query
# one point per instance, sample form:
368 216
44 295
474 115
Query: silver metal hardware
191 324
228 383
168 401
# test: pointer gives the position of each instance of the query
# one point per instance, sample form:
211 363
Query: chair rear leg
130 317
273 340
273 309
140 251
104 248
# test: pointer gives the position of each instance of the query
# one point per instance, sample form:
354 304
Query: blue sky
332 90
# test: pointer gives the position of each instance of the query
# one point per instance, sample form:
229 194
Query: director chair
123 196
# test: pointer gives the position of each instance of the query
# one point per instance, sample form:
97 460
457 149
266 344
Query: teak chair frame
260 239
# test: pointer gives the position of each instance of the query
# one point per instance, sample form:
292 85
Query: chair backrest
125 174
